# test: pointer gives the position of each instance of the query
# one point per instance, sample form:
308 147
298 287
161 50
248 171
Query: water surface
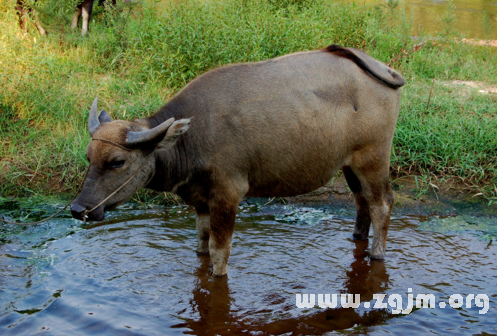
137 273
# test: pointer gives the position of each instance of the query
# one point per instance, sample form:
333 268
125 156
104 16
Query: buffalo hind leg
86 9
377 192
202 220
380 199
381 208
363 219
38 24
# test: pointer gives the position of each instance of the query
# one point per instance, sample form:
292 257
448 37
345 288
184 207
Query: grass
142 55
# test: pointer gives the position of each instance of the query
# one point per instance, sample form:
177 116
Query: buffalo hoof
359 236
219 275
219 270
377 256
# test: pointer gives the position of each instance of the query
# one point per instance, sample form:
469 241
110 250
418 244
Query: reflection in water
365 277
212 301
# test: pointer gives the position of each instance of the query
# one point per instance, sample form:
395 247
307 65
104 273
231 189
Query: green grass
144 54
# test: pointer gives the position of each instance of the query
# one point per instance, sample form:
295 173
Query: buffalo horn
93 121
144 136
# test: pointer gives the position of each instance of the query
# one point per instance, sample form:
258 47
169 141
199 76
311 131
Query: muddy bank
410 199
491 43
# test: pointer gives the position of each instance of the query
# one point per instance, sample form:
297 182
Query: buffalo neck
175 166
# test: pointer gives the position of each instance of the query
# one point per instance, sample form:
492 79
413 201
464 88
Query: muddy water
137 273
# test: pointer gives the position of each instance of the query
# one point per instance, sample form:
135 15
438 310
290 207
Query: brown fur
281 127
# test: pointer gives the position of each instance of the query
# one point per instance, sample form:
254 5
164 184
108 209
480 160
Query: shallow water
137 273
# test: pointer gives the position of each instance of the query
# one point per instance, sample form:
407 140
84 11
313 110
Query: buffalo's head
121 151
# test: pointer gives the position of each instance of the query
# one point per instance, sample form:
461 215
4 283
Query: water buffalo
279 127
84 10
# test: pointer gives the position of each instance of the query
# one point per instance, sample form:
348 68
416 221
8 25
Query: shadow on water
137 273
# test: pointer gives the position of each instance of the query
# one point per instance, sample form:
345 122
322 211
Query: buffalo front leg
22 12
202 220
222 222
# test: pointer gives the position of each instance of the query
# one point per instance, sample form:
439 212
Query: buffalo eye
116 164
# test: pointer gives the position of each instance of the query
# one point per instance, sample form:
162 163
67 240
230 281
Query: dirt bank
410 198
491 43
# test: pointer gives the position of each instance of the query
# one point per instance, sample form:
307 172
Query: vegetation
144 53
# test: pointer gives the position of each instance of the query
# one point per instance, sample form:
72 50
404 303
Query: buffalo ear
104 117
174 132
93 122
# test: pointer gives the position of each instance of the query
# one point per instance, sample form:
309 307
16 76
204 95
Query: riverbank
413 197
143 56
490 43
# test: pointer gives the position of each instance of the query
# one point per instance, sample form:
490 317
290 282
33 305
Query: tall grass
142 56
